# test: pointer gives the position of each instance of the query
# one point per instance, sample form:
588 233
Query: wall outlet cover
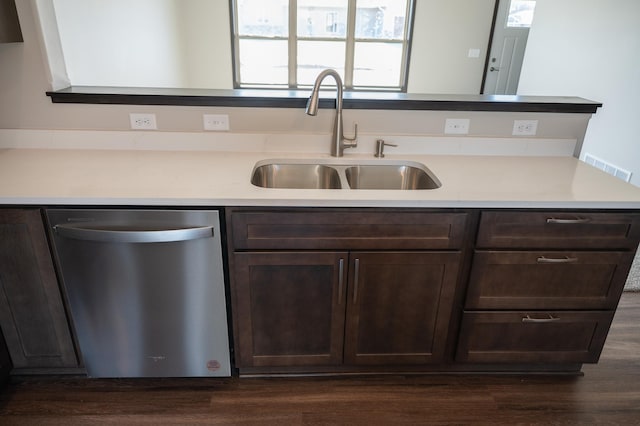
215 122
143 121
457 126
525 127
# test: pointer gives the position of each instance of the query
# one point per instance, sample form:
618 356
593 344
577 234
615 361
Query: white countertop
215 178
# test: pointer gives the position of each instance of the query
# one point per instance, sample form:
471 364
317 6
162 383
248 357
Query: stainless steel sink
339 174
389 176
296 176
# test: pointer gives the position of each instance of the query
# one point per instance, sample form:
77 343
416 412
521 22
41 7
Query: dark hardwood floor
608 393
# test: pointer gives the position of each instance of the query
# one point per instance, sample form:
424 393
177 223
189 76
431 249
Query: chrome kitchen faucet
338 141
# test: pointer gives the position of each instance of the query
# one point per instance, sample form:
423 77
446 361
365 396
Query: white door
510 33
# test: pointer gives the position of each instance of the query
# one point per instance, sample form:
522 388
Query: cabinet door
32 315
399 306
289 308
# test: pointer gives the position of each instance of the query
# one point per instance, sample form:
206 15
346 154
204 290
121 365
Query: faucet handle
351 142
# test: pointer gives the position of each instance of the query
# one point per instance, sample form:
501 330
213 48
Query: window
286 43
521 13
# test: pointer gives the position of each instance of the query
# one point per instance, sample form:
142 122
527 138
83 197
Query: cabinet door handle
566 259
340 280
356 273
551 318
568 221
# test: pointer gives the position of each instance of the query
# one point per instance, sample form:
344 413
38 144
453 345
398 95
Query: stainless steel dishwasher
145 290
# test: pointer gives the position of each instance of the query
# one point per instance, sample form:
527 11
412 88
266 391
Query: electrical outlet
216 122
525 127
143 121
456 126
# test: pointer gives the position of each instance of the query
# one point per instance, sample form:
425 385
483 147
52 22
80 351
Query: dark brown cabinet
335 294
9 24
327 290
544 285
398 307
303 308
547 279
32 315
289 308
551 337
5 361
583 230
350 229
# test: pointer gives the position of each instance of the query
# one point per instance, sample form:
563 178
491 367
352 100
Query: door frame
487 58
501 9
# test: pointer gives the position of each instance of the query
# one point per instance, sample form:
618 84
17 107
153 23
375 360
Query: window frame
350 43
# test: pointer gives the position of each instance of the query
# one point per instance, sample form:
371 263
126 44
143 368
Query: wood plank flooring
608 393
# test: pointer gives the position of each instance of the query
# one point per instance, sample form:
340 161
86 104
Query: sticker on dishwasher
157 358
213 365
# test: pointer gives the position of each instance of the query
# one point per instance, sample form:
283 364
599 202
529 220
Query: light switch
474 53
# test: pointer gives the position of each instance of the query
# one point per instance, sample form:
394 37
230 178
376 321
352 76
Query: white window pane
323 35
380 19
521 13
322 18
314 56
266 18
377 64
263 62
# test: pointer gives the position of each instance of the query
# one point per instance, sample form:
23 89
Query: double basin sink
342 174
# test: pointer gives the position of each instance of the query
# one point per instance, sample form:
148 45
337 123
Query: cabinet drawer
547 280
314 229
570 230
533 337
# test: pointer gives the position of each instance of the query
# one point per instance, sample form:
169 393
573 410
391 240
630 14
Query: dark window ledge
297 99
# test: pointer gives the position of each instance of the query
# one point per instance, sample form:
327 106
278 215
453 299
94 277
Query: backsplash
279 142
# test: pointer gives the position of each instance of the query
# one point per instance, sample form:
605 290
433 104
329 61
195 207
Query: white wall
105 47
205 44
591 48
444 32
24 79
156 43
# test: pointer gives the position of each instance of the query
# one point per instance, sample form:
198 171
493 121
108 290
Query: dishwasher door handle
124 236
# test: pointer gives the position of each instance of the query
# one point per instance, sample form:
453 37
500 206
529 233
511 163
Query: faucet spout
338 141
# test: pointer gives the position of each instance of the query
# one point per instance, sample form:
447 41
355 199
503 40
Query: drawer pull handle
340 280
551 318
566 259
568 221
